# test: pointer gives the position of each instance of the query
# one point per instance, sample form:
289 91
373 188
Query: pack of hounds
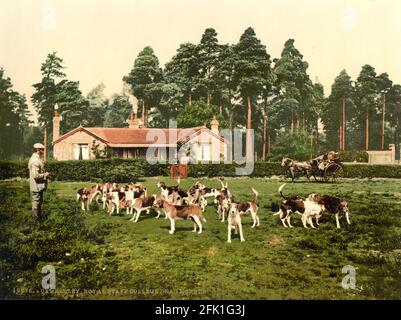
176 204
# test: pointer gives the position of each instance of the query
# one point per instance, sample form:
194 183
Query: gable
78 134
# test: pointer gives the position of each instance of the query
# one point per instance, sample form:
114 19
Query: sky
100 39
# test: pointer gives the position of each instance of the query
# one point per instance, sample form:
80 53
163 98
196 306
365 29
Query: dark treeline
239 83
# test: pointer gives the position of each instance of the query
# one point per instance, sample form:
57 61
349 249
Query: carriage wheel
333 172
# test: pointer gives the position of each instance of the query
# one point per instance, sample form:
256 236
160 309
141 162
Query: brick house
135 141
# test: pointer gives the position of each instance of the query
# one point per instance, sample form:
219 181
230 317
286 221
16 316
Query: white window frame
84 148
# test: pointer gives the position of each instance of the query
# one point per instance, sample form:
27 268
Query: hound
107 188
250 206
83 196
296 204
333 205
165 190
95 193
234 222
223 199
182 212
289 205
144 204
197 198
114 199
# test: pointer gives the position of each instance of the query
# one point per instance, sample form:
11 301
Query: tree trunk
367 131
249 114
268 144
208 99
292 121
264 135
143 115
343 124
303 120
341 131
397 138
249 141
190 97
45 144
297 120
384 111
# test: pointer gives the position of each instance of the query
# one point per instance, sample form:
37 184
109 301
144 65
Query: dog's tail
255 193
281 189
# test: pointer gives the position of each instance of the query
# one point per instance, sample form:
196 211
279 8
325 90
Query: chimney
214 125
133 121
56 123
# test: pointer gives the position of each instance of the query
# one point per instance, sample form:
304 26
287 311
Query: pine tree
56 88
251 69
146 80
209 52
183 70
13 118
294 87
342 92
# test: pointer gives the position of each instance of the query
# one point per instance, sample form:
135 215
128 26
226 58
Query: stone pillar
392 149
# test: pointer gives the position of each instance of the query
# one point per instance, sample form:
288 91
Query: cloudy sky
99 39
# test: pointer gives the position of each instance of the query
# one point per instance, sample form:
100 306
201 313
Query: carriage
327 167
324 168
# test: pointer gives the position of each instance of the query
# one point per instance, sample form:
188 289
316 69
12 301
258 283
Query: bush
12 169
124 170
371 171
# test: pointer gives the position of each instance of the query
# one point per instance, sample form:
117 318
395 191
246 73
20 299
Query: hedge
122 170
351 156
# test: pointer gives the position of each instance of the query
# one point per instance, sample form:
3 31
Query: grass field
147 262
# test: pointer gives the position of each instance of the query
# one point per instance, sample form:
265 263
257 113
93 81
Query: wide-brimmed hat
38 146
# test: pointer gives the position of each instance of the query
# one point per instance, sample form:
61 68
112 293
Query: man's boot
35 214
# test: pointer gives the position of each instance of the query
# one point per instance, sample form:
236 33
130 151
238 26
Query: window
205 155
81 152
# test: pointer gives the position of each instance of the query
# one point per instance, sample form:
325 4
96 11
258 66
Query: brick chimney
133 121
214 125
56 123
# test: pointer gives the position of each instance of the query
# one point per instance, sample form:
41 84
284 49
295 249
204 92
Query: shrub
124 170
11 169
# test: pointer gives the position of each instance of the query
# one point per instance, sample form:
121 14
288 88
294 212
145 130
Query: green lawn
273 263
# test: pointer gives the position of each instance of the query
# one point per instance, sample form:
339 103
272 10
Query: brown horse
296 167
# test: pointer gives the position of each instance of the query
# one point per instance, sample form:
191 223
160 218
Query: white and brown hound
251 207
174 212
333 205
234 222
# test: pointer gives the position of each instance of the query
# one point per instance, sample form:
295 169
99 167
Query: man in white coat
37 179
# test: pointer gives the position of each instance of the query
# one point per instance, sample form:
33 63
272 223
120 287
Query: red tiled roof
145 136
